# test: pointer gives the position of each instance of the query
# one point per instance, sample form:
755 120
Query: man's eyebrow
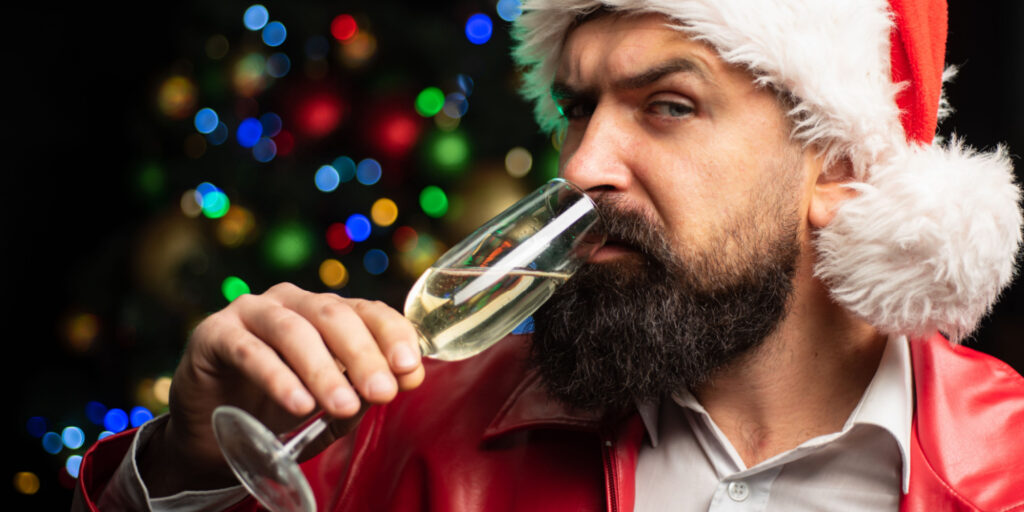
561 90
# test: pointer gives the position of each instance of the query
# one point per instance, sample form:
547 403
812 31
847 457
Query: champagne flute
469 299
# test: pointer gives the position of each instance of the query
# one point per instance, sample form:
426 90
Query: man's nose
598 158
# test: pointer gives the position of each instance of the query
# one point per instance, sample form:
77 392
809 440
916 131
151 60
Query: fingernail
380 386
343 399
300 400
402 357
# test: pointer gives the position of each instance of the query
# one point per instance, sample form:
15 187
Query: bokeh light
190 205
217 46
249 132
326 178
509 10
429 101
52 443
396 133
212 200
346 168
434 201
285 142
375 261
235 226
255 17
465 83
233 287
81 331
518 162
73 437
140 415
206 120
422 256
195 145
479 28
288 245
344 27
218 135
455 105
105 434
446 123
151 180
36 426
116 420
449 152
405 239
162 389
249 75
95 411
176 97
319 114
358 227
264 150
337 237
26 482
73 464
358 50
384 212
333 274
368 171
274 34
271 124
278 65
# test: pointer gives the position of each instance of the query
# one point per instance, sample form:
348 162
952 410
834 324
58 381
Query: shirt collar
887 402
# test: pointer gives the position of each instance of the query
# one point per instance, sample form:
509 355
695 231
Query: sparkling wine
462 311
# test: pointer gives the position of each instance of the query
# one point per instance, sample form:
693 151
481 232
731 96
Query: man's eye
576 110
670 109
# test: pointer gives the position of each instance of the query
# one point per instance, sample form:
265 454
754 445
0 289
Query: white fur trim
932 238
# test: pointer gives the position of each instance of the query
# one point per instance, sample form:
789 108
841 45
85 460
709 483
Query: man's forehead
621 45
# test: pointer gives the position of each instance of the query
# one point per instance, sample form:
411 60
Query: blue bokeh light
204 189
255 17
95 411
271 123
346 168
140 415
455 105
375 261
278 65
368 171
509 10
115 420
327 179
206 120
36 426
265 150
465 84
73 437
358 227
105 434
479 28
73 464
218 135
249 132
52 443
274 33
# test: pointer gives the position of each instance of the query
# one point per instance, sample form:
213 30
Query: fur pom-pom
928 243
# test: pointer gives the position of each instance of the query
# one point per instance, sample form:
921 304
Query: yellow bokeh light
333 274
82 330
189 205
26 482
162 390
235 226
384 212
176 97
518 162
358 49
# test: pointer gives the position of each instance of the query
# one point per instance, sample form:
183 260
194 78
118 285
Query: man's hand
278 355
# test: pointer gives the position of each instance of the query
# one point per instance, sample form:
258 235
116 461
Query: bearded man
761 331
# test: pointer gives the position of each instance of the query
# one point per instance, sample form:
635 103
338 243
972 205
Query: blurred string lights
253 117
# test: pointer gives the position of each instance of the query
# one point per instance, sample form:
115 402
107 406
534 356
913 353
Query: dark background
80 122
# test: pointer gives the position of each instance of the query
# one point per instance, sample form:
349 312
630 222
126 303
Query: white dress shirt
689 465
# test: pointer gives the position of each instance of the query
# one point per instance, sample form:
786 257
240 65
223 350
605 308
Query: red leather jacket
482 435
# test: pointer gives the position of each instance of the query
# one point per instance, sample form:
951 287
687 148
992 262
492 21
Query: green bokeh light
216 204
233 287
151 180
288 245
434 201
429 101
450 152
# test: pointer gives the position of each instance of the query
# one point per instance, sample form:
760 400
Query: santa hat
931 238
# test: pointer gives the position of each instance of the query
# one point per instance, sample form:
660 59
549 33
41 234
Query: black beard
641 328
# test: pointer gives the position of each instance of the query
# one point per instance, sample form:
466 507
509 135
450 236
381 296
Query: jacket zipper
610 478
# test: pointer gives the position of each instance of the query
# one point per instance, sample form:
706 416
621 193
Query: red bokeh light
319 114
337 237
396 133
405 239
285 143
343 27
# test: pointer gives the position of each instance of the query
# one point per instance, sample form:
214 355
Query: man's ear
830 191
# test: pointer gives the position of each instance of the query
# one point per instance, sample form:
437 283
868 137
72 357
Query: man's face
706 197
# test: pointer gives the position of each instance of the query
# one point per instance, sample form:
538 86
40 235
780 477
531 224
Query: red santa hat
930 240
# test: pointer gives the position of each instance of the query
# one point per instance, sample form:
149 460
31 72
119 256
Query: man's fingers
398 338
300 344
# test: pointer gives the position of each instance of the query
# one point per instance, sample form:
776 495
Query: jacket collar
530 406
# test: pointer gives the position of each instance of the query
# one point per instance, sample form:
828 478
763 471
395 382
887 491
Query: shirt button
739 491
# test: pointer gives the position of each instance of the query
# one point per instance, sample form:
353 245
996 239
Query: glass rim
579 190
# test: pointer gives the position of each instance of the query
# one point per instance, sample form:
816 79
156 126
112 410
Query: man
779 223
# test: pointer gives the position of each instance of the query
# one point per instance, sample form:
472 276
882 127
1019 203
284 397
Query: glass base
259 460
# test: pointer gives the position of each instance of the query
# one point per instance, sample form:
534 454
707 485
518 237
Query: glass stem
308 433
